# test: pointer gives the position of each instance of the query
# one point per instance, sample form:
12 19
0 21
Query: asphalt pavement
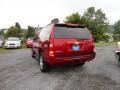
19 71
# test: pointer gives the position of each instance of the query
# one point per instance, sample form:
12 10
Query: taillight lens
51 52
76 42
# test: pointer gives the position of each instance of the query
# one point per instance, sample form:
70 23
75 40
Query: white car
1 42
12 42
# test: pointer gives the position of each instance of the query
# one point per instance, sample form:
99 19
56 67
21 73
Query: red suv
62 44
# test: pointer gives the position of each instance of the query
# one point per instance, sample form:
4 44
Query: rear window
71 32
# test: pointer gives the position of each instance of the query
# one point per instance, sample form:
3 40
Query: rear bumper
15 46
117 52
64 60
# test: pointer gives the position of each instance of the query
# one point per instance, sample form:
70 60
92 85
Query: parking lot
19 71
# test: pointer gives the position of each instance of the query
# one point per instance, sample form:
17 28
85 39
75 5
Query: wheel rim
41 62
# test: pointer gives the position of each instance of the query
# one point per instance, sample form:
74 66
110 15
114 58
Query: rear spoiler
70 25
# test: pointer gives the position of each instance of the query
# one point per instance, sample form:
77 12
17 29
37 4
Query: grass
102 43
3 50
23 45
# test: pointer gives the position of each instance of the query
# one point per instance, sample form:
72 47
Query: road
18 71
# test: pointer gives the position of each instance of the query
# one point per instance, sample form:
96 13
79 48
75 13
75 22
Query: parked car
117 52
1 43
12 42
29 43
63 44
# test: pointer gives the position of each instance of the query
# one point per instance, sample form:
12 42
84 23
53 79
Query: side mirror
46 42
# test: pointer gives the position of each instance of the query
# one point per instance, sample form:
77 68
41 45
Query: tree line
95 20
17 31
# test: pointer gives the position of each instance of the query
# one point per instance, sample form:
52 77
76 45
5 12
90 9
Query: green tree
74 18
18 28
12 32
116 32
1 32
97 23
88 17
30 32
94 20
117 27
17 25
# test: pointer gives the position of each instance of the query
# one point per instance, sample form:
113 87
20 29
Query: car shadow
65 68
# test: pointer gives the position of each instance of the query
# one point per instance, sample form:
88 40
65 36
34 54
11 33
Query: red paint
29 43
59 51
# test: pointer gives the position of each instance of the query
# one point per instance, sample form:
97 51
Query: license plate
76 47
11 46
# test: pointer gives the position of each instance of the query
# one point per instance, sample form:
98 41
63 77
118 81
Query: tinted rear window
71 32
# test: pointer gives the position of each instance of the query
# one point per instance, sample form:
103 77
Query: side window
48 31
45 33
42 34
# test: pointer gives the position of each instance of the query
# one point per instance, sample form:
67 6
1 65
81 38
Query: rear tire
32 54
44 66
80 63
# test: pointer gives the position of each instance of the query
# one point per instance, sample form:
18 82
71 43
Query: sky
40 12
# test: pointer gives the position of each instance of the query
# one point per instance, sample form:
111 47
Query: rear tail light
51 52
76 42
